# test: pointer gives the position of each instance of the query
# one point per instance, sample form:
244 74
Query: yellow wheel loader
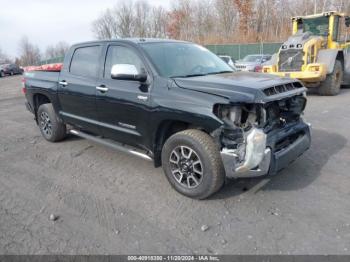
316 53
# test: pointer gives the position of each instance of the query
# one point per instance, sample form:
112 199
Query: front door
122 105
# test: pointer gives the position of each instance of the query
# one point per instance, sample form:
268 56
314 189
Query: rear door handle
63 82
102 88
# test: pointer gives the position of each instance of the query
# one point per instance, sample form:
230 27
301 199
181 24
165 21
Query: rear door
77 88
123 108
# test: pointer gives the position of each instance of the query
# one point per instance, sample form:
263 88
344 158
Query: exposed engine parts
240 119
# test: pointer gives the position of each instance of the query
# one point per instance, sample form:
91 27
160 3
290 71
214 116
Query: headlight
229 113
235 114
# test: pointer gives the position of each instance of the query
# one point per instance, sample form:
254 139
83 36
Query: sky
47 22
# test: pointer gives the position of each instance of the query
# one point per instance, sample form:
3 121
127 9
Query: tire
51 127
11 73
188 180
2 74
331 86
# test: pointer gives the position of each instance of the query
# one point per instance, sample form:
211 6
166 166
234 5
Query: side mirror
127 72
347 21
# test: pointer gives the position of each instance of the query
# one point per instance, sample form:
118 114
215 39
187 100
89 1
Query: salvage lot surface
109 202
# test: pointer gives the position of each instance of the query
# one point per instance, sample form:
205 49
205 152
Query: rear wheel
51 127
192 163
331 86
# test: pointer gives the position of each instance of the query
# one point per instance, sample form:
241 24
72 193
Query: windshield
252 58
184 59
317 26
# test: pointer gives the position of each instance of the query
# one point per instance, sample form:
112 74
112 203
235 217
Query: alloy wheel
45 123
186 166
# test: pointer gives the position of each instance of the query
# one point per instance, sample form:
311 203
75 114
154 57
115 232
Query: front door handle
102 88
63 83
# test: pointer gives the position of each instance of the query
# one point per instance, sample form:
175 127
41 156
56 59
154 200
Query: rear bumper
281 147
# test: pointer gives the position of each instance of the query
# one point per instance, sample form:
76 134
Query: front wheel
331 86
192 163
50 125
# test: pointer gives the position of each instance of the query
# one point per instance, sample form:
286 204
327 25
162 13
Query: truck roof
319 15
135 40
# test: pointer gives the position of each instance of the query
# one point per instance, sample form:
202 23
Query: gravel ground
111 203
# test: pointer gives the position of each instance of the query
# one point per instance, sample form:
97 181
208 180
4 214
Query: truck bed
41 79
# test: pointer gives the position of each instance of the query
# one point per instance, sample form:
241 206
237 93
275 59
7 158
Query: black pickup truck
174 103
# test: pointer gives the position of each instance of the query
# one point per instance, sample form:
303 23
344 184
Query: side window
343 32
121 55
85 61
335 29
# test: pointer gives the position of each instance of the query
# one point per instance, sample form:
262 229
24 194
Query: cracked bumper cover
261 157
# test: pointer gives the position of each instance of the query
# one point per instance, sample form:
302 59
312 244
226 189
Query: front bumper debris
267 153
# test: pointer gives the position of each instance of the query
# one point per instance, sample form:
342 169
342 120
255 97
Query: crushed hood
244 87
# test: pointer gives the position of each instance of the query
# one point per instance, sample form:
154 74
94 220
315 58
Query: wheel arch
329 56
38 100
167 128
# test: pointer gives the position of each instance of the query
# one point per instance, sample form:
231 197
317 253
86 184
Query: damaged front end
254 135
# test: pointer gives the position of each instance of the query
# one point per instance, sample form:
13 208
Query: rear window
85 61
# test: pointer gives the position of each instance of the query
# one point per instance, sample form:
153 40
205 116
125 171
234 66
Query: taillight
257 68
24 90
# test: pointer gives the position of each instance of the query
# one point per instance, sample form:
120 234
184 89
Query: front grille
274 90
290 60
240 66
282 112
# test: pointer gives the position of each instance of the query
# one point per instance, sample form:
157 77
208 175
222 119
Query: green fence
52 60
238 51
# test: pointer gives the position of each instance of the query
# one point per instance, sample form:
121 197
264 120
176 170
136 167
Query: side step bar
111 144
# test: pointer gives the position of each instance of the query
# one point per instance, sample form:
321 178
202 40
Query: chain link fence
239 51
52 60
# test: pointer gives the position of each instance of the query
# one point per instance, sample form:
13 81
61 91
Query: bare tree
29 53
4 58
141 19
131 19
227 16
210 21
157 25
125 18
58 50
106 26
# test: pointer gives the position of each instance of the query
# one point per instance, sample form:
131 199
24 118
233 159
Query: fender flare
329 56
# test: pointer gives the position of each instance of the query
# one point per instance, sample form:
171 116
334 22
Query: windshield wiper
190 75
220 72
211 73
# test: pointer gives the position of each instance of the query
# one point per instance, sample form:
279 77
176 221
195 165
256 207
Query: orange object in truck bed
49 67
